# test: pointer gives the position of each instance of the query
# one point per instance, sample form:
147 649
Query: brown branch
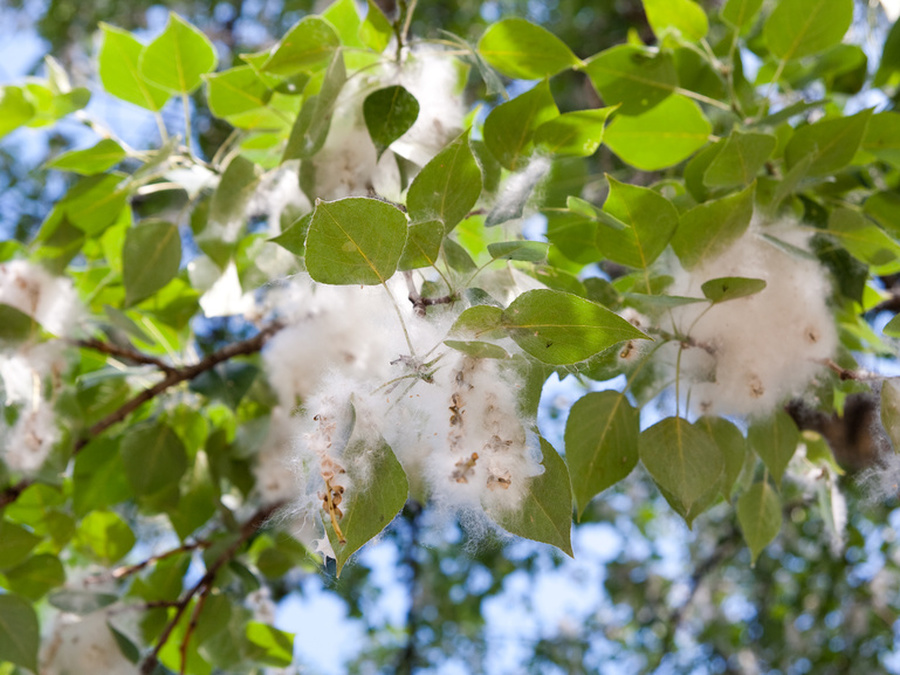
418 302
177 376
12 492
121 572
847 374
192 626
124 352
248 529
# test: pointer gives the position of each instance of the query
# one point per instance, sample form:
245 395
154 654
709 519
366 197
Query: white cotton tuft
51 301
435 79
275 471
881 482
752 353
29 441
84 645
344 329
463 436
348 164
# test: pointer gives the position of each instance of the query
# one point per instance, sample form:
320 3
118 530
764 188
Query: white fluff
84 645
51 301
756 351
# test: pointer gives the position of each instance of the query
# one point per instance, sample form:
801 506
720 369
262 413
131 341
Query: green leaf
15 325
529 251
370 504
601 444
739 160
741 13
106 536
574 235
235 91
710 228
356 240
682 16
447 187
20 635
479 321
97 159
521 50
80 602
150 258
509 128
884 208
15 544
650 221
682 458
269 645
311 127
457 257
15 109
723 289
154 459
669 133
178 58
545 512
293 239
120 54
423 245
865 240
759 514
575 134
775 441
308 45
882 138
389 113
478 350
95 202
36 576
890 410
560 328
375 32
227 210
798 28
98 478
732 445
831 143
634 78
892 327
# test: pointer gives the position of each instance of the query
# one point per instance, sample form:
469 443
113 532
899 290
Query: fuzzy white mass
84 645
49 300
756 351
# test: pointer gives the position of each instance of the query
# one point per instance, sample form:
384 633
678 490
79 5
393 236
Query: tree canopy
335 283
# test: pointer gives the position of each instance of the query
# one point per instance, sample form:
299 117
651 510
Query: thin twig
248 529
124 352
192 626
847 374
121 572
12 493
177 376
418 302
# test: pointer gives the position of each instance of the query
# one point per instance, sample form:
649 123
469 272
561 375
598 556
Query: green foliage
379 244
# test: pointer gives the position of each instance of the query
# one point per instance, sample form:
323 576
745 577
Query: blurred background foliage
644 593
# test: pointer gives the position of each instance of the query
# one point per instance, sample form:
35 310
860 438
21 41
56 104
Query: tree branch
124 352
248 529
176 376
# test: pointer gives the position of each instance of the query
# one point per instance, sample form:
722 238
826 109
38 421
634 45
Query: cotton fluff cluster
452 421
751 353
83 645
49 300
348 163
53 303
